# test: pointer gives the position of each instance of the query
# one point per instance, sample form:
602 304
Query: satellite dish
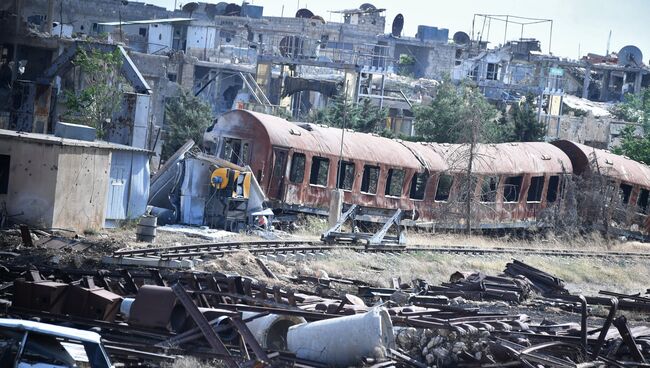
232 10
304 13
630 56
220 8
398 25
318 18
367 7
461 38
190 8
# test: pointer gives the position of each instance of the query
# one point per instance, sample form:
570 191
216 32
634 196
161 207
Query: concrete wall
81 185
159 38
33 173
200 37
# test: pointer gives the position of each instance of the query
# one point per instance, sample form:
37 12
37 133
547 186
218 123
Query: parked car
29 344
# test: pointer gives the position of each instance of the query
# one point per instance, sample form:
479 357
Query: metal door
118 187
276 183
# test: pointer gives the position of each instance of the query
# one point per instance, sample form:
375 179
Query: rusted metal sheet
589 159
506 158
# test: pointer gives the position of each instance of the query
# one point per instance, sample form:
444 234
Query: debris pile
152 316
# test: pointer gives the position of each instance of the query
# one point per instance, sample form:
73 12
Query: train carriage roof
326 141
609 164
506 158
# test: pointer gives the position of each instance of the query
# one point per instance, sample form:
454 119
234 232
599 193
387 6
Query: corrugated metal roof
506 158
53 140
327 141
610 164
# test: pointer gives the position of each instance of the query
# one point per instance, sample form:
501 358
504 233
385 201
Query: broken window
492 71
551 191
142 31
319 170
278 166
641 201
473 73
345 175
297 173
231 149
489 189
4 174
536 188
369 179
245 150
512 188
624 192
418 185
467 189
444 187
171 77
394 183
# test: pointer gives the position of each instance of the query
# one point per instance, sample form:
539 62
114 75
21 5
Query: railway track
294 246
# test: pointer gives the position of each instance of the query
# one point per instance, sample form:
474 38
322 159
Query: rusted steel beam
248 337
603 332
621 325
202 323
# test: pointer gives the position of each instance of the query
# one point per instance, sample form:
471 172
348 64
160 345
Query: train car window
625 190
370 179
297 173
489 189
346 180
512 188
418 185
444 187
535 189
245 151
466 189
231 150
279 166
319 171
551 191
394 183
642 200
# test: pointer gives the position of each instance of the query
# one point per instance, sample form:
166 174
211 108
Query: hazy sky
577 24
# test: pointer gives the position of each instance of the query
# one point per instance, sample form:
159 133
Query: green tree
405 65
102 90
635 147
363 117
634 108
454 111
186 117
525 125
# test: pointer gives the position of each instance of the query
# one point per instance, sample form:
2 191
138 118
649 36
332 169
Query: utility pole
609 39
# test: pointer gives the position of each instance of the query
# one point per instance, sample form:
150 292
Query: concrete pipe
343 341
220 315
125 307
271 331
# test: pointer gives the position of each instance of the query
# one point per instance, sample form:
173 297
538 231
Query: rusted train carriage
298 164
514 185
626 196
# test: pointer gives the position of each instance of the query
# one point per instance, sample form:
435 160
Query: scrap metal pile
149 316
